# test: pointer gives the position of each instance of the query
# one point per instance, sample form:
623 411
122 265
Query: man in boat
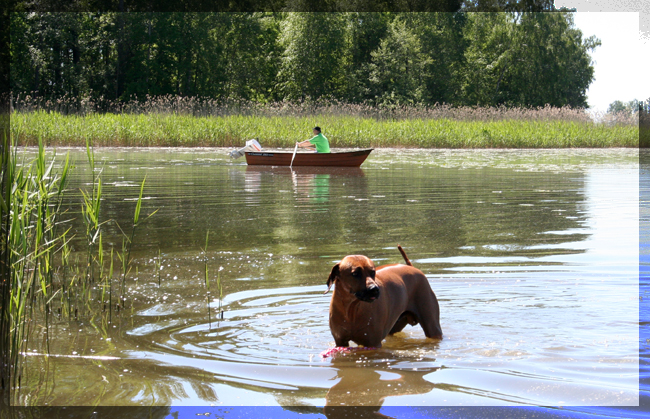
318 142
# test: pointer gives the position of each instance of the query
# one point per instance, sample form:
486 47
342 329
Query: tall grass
5 271
41 280
33 200
198 106
485 128
195 121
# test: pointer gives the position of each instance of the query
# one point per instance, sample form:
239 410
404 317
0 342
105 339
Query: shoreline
226 150
343 132
34 145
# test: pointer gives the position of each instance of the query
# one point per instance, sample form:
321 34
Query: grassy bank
172 129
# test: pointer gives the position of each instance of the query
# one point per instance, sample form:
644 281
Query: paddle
294 154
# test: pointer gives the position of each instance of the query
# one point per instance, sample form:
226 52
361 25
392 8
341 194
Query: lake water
533 255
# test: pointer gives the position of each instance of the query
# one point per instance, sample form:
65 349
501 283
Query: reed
441 127
159 268
32 198
207 278
5 272
207 107
42 280
127 243
220 289
219 284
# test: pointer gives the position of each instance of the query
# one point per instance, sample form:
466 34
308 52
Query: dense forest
463 58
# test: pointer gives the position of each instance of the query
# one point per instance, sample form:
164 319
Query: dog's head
356 275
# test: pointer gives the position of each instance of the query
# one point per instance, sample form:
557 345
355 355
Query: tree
364 34
313 45
46 55
518 58
527 59
509 5
398 66
633 106
99 55
442 41
251 54
491 51
554 65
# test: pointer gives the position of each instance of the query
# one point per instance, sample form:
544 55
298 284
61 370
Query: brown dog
368 304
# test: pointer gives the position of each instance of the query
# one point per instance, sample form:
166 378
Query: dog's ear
333 275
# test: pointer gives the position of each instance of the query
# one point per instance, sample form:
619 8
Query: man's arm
306 144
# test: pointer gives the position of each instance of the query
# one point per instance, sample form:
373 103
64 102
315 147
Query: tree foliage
312 46
633 106
515 58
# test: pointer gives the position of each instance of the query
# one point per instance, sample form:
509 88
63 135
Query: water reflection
363 382
90 412
310 184
505 240
348 172
112 381
311 187
437 212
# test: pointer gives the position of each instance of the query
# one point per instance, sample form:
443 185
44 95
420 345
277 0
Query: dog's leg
399 325
372 342
432 329
430 320
404 319
342 342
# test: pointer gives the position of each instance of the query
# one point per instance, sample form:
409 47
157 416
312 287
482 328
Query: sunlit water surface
533 255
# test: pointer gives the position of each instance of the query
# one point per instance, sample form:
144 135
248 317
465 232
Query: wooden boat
283 158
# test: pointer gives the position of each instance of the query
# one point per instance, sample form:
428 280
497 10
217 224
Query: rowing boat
283 158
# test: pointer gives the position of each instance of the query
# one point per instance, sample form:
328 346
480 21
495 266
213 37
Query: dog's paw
345 349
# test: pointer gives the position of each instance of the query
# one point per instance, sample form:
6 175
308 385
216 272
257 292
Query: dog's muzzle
369 295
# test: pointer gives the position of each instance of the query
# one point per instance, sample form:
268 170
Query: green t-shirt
321 143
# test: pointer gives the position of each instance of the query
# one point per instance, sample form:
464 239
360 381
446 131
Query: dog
369 304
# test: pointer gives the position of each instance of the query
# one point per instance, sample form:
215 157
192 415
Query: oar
294 154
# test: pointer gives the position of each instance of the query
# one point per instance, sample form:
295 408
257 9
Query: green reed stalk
158 267
110 290
207 280
33 278
33 202
100 262
91 211
5 272
127 242
345 126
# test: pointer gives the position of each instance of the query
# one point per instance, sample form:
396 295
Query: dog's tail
406 258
